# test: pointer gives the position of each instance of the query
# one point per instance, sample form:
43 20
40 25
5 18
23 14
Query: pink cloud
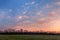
48 6
39 13
46 23
26 17
57 3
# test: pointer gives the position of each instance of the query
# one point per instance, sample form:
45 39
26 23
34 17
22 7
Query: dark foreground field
29 37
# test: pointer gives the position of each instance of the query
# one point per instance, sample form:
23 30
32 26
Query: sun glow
55 25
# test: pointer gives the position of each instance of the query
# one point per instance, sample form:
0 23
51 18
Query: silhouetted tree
25 30
21 30
9 30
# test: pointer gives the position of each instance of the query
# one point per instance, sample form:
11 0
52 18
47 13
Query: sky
32 15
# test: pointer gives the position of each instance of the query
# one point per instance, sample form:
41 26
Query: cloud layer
31 15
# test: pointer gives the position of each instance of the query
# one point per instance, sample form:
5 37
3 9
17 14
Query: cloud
33 2
52 14
33 20
39 13
10 10
30 3
3 14
57 3
26 17
48 21
48 6
19 18
24 12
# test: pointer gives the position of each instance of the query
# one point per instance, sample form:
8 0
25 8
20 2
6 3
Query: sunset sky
32 15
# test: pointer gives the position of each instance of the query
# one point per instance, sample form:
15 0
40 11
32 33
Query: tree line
26 32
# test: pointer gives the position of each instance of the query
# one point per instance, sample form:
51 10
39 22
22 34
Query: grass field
29 37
